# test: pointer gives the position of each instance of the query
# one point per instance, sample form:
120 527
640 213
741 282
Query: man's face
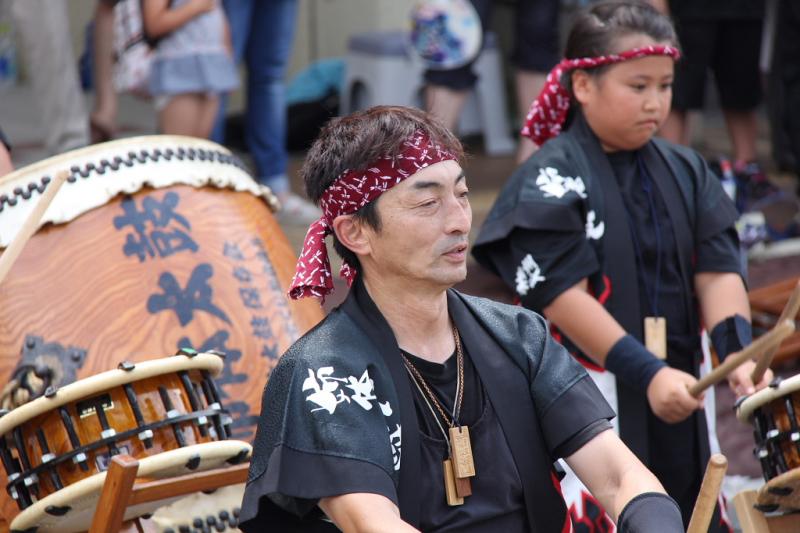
425 222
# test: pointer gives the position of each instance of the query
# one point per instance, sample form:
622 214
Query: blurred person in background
103 118
42 27
725 37
192 64
262 34
535 53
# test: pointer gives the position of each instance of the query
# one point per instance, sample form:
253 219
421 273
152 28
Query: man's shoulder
327 339
500 315
335 321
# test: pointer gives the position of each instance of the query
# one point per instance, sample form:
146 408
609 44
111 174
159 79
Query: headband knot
549 111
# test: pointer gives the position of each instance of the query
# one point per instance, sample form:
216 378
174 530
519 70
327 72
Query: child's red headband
549 110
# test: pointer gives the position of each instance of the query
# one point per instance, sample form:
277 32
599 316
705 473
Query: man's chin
455 277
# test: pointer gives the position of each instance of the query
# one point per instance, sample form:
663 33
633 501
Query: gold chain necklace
459 466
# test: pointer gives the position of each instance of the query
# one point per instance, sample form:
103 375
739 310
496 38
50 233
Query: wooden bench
122 490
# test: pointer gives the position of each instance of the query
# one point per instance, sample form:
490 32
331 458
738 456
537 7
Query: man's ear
582 86
352 233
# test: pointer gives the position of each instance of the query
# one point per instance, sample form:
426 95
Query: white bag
133 55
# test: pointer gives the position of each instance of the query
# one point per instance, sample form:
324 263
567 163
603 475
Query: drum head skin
72 508
780 494
101 172
780 388
445 34
201 505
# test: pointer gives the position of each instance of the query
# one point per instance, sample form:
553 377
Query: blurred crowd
184 55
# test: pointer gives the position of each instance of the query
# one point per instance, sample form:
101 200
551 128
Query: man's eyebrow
427 185
435 184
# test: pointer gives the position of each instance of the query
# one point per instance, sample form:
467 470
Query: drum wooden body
154 244
774 413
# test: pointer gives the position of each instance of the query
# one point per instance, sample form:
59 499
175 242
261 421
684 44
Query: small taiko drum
153 244
774 413
165 412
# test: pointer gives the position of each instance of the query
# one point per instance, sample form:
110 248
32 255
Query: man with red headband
412 406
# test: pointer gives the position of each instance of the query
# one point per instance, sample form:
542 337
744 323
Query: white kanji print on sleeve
363 390
554 185
594 231
323 394
327 394
529 274
395 440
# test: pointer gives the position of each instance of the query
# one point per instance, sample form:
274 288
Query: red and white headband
549 111
351 191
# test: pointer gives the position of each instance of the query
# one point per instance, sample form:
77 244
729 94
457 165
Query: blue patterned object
445 34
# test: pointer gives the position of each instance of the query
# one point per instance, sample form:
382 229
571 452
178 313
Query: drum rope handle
27 383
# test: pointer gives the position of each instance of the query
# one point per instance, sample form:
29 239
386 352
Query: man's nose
459 216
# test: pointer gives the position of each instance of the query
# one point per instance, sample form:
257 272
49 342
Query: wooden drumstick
709 493
31 224
767 341
789 312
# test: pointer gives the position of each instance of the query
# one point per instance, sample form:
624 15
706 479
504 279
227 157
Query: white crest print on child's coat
529 274
594 231
552 184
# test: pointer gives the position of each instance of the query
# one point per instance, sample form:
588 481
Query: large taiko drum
153 244
774 413
164 412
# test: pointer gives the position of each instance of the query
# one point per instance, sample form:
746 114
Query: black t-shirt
719 253
496 503
675 458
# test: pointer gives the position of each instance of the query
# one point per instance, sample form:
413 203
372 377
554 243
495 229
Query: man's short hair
356 141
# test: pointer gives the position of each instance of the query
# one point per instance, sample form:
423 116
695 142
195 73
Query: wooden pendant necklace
459 465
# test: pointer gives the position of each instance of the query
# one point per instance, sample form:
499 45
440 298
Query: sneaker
753 186
297 210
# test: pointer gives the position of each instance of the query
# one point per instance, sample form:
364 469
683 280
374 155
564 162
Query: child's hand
741 383
668 395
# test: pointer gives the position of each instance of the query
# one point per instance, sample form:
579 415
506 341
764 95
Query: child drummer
626 243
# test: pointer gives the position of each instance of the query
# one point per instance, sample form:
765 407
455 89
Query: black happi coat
304 452
568 191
